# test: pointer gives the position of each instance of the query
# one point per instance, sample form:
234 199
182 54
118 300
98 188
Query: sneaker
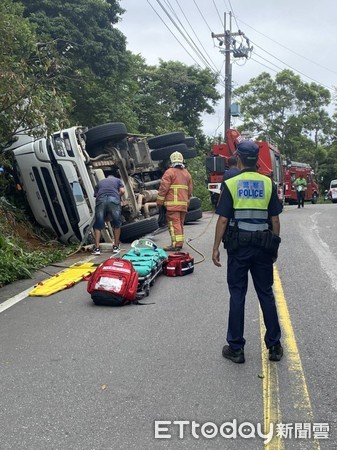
275 352
116 249
96 251
237 356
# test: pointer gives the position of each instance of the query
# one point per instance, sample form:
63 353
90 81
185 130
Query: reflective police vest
251 193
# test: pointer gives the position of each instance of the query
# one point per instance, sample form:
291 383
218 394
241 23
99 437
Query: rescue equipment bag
114 283
178 264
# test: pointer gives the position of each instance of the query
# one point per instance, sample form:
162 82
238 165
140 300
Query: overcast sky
300 35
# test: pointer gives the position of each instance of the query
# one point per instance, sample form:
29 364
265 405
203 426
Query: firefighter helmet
176 158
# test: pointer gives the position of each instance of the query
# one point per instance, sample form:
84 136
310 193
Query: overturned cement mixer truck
58 175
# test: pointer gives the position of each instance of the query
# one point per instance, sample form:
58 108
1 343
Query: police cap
248 149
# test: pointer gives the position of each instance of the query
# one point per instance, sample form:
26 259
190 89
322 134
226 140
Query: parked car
332 192
59 173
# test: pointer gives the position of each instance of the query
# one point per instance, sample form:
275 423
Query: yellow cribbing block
63 280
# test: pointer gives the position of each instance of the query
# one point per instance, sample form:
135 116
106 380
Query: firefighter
249 226
174 193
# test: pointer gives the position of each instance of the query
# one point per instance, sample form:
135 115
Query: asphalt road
75 376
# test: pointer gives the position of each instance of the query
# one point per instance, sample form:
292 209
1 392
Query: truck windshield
333 184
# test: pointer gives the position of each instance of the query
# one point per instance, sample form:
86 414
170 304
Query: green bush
17 259
197 168
17 264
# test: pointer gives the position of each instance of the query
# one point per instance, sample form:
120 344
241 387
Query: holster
231 240
267 240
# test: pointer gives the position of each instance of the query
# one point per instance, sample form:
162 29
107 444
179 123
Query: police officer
249 226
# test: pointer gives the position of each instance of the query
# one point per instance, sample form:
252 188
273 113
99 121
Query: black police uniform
260 264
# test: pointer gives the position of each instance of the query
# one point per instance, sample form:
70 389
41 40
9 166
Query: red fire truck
293 170
269 164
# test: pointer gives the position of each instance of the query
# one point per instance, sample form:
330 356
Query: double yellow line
271 393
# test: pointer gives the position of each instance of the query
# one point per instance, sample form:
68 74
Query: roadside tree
29 72
284 109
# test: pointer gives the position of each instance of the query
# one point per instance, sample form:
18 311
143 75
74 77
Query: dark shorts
106 210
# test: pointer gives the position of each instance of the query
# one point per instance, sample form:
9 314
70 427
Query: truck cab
293 170
269 164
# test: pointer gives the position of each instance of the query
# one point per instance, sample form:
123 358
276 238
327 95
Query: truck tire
164 140
114 132
134 230
195 203
192 216
189 153
165 152
314 198
189 141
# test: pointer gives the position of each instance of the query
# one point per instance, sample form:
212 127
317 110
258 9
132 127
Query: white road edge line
16 299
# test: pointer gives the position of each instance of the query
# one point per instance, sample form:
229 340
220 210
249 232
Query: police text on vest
250 189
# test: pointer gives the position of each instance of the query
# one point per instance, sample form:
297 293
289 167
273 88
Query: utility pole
228 73
228 38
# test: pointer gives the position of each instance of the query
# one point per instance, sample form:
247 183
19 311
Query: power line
289 49
234 15
202 16
280 68
296 70
174 35
195 46
192 45
197 36
264 65
222 23
235 18
196 50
